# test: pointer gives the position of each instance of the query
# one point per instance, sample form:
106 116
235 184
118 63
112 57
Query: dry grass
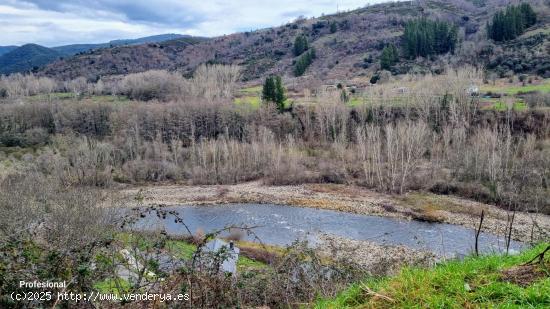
319 203
432 203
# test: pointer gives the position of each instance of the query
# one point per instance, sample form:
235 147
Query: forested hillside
429 35
26 58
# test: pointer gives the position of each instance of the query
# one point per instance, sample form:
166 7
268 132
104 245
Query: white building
230 254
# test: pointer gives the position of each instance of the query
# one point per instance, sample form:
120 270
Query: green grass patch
288 103
475 282
253 101
18 152
130 240
355 101
247 264
515 89
114 286
517 106
181 249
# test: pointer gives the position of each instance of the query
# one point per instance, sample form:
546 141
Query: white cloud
61 22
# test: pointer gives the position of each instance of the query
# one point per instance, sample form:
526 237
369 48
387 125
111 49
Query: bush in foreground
476 282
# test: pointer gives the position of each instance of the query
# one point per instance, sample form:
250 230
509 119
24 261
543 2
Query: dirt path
419 206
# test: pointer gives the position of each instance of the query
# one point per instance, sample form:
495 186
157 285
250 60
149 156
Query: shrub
17 85
161 85
214 81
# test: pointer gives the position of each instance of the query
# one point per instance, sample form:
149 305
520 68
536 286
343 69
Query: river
281 225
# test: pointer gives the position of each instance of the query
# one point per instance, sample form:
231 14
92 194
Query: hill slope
149 39
32 56
26 58
6 49
348 45
73 49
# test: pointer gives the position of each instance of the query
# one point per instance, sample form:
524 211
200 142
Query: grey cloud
160 12
82 21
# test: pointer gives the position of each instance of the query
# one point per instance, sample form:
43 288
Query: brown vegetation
435 139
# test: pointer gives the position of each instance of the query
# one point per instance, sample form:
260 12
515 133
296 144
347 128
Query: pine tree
312 54
424 37
304 61
510 23
279 94
333 27
274 91
268 91
389 57
529 14
300 45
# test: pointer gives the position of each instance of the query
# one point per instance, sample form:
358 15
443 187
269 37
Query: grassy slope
472 283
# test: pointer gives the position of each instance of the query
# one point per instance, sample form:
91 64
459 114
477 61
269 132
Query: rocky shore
377 259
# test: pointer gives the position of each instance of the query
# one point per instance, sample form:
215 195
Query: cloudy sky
59 22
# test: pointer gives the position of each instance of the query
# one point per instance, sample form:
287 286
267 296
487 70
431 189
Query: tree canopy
300 45
424 37
510 23
389 57
304 61
274 91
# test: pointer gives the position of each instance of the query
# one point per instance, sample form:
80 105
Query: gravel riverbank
413 206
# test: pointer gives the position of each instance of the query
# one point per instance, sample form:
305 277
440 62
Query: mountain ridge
29 57
6 49
348 45
73 49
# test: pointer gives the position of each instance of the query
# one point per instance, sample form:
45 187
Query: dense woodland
512 22
424 37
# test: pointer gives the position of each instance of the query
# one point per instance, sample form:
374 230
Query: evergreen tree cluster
303 62
300 45
333 27
424 37
389 57
274 91
512 22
